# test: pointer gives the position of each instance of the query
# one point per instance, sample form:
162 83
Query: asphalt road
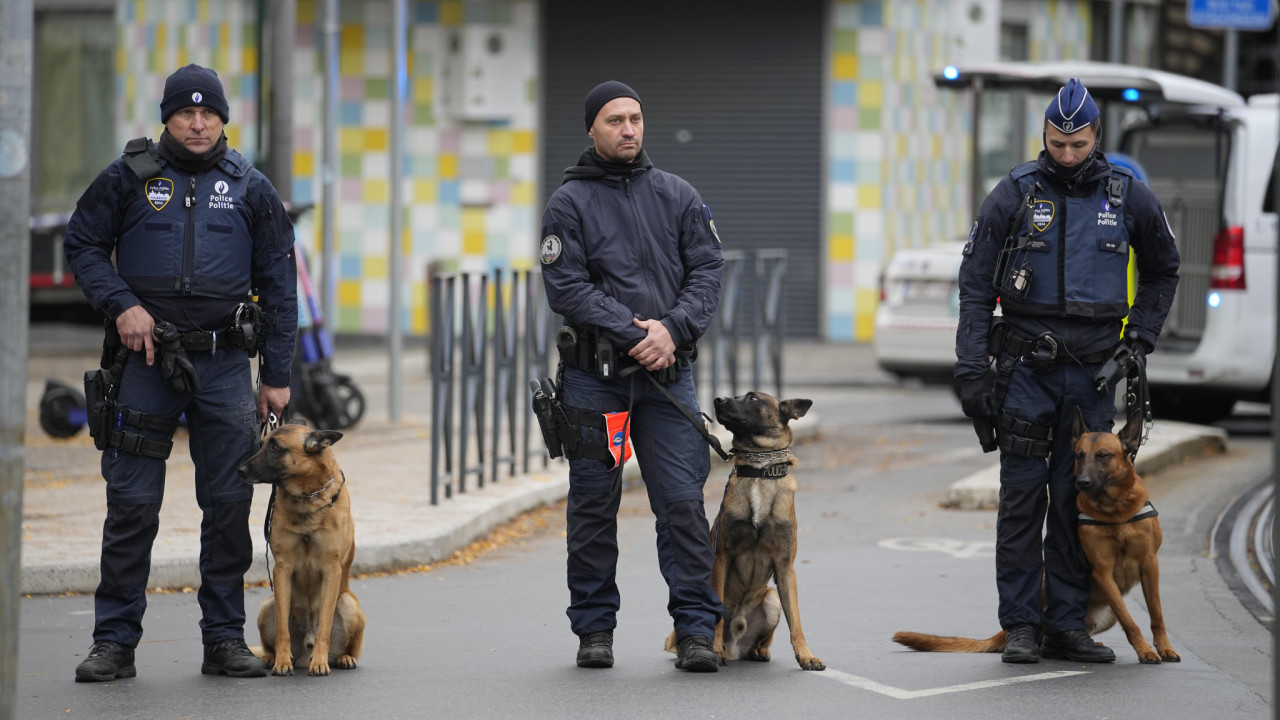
489 639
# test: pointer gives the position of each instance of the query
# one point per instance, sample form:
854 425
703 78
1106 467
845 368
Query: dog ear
320 439
794 409
1131 434
1078 427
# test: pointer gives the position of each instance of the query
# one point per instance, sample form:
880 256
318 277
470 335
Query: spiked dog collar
779 464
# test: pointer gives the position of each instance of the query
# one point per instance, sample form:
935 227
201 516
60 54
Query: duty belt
210 340
1046 348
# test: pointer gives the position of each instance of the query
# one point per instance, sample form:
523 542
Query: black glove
175 366
1139 350
977 399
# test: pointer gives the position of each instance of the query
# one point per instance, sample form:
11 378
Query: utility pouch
606 368
248 319
100 408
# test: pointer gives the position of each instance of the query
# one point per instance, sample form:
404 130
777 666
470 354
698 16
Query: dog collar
779 463
314 495
1147 511
777 470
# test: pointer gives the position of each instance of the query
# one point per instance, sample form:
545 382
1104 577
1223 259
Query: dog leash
712 440
268 426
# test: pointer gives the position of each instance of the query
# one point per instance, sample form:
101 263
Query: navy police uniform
189 248
1062 287
619 245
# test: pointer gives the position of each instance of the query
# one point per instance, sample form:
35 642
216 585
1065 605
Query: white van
1211 158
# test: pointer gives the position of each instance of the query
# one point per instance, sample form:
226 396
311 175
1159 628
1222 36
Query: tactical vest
183 235
1077 249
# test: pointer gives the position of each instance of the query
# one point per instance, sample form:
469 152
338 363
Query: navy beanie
190 86
601 94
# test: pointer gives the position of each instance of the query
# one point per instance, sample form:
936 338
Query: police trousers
674 462
1033 490
222 420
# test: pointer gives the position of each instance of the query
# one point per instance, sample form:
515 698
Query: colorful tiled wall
469 184
898 148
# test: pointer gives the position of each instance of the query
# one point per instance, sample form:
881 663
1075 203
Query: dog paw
345 662
1148 657
282 669
1170 656
759 654
810 663
318 668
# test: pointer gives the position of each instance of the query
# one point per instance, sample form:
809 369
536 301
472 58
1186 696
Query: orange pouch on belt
618 434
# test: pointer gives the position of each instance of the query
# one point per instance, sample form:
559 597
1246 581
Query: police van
1211 158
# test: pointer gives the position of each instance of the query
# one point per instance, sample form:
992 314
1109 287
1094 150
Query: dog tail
941 643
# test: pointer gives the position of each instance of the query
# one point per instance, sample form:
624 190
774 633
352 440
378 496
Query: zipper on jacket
189 238
642 247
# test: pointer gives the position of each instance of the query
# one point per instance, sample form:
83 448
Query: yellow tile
522 194
418 315
422 88
306 12
451 13
870 94
249 59
522 142
375 191
499 142
869 197
473 243
202 12
473 220
375 267
844 66
351 37
424 191
304 163
448 166
864 323
375 139
351 62
350 140
840 248
349 292
162 35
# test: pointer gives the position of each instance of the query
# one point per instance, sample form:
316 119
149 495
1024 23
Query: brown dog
1118 537
313 619
754 536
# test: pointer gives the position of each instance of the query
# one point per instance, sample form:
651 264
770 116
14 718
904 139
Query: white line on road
900 694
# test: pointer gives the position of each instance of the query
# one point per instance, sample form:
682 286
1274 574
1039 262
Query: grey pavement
387 465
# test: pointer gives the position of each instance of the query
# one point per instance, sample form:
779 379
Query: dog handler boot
1020 645
595 650
231 657
695 654
106 661
1077 646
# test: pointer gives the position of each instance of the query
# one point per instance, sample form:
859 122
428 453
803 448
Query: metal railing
493 333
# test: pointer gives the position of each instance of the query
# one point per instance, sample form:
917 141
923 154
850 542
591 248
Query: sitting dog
313 619
754 536
1120 534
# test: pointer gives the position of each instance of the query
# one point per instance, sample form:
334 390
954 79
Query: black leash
712 440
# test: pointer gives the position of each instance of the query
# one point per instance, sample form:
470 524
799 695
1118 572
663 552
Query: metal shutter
732 97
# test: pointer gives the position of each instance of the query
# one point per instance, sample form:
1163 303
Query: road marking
900 694
962 549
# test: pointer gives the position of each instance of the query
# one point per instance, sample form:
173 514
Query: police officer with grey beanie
1051 242
631 259
170 242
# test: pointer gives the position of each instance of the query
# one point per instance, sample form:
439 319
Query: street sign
1230 14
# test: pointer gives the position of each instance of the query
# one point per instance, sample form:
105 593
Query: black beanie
601 94
193 85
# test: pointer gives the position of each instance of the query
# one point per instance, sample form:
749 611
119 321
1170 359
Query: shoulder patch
711 223
549 250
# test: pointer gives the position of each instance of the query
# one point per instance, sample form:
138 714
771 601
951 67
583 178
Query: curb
1168 443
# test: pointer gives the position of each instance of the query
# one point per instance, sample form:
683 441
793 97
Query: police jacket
632 244
1074 243
189 248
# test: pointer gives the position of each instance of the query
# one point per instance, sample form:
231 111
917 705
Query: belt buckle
1044 353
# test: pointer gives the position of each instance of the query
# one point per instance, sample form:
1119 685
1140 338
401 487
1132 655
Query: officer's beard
1069 176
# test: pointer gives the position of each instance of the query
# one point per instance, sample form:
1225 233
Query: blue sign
1230 14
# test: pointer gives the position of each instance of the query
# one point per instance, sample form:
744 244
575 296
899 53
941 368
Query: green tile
377 89
352 165
846 41
840 223
868 119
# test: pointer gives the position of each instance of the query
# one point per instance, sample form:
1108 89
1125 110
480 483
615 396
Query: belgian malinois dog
312 620
754 536
1120 534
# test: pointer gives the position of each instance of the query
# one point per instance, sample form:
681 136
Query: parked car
1211 158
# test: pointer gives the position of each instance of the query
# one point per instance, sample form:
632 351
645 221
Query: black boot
595 650
1077 646
1020 645
231 657
107 660
695 654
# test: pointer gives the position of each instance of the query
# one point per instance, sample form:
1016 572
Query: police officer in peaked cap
1051 244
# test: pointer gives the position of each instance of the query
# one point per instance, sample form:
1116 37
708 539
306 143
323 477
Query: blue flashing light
1214 299
950 72
1130 94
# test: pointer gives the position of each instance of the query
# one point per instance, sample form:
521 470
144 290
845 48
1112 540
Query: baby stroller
327 399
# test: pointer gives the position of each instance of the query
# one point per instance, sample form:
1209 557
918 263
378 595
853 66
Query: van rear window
1179 151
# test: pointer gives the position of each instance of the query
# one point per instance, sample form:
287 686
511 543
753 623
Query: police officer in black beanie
631 259
194 230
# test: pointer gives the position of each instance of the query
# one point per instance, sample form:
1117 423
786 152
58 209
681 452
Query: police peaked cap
1072 109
